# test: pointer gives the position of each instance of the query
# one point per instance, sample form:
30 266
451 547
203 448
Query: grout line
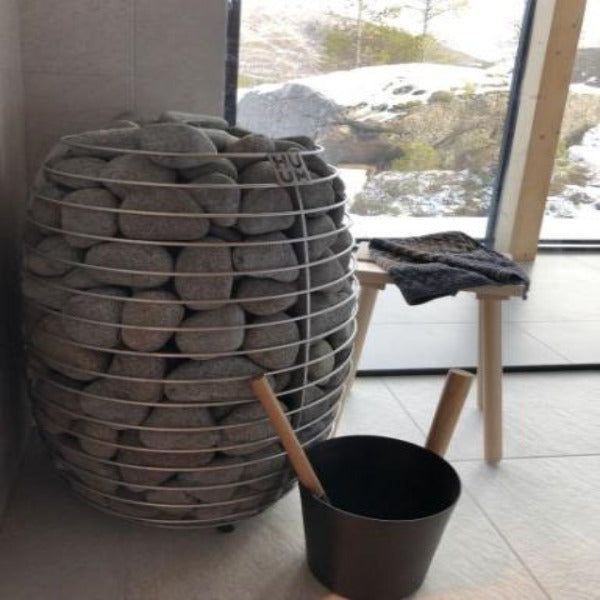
527 333
504 538
532 457
404 409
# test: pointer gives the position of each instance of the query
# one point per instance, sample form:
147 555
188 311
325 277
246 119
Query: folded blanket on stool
442 264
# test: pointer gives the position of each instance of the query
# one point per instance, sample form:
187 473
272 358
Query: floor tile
578 341
443 345
545 414
547 509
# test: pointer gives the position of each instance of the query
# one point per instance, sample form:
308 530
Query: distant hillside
280 46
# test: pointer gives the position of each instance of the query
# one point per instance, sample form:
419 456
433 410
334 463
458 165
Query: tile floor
528 529
558 324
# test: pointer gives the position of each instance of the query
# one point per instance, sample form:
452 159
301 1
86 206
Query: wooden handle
282 426
456 388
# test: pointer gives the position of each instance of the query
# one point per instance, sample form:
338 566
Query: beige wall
13 409
85 62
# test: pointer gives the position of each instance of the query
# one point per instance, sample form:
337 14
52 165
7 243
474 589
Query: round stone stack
167 265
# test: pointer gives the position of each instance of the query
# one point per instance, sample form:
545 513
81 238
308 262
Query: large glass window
409 99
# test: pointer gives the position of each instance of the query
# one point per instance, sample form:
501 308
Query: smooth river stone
262 201
52 420
256 427
86 220
272 461
268 335
85 166
321 225
343 244
210 290
100 432
179 418
119 139
249 287
147 314
219 391
170 494
212 342
327 272
220 138
47 259
279 256
114 412
79 279
337 309
134 257
176 137
48 393
230 470
253 143
217 201
73 454
216 165
107 310
44 212
134 167
244 503
317 195
155 228
58 353
138 367
195 119
322 352
42 291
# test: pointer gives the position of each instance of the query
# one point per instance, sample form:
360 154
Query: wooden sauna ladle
450 405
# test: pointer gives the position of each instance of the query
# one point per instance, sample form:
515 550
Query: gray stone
283 145
225 233
249 287
343 243
48 256
66 396
261 201
100 432
236 367
85 220
52 420
216 165
217 201
204 293
195 119
148 314
318 166
83 166
261 171
271 462
73 455
42 291
62 355
318 195
328 273
138 367
340 375
162 228
324 352
44 212
253 143
79 279
314 405
134 167
321 225
229 471
279 256
220 138
336 309
136 507
106 310
271 333
176 137
211 342
244 503
180 418
134 257
119 139
254 426
170 494
121 414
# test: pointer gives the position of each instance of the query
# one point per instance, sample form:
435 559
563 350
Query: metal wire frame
329 401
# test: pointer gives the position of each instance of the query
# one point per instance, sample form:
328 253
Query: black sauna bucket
389 504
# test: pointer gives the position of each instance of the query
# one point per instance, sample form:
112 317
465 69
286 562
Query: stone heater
166 265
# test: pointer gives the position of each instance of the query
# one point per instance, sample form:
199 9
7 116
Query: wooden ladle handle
456 388
304 470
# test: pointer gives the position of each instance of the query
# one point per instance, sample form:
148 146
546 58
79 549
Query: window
409 99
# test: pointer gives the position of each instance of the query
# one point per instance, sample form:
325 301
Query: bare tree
429 10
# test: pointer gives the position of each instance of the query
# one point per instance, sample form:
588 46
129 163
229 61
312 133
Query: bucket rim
330 506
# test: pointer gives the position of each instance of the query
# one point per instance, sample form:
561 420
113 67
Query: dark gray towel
443 264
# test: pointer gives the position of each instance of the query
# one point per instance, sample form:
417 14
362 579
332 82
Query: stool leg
492 380
480 355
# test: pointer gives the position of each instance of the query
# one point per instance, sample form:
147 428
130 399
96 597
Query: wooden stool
489 366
